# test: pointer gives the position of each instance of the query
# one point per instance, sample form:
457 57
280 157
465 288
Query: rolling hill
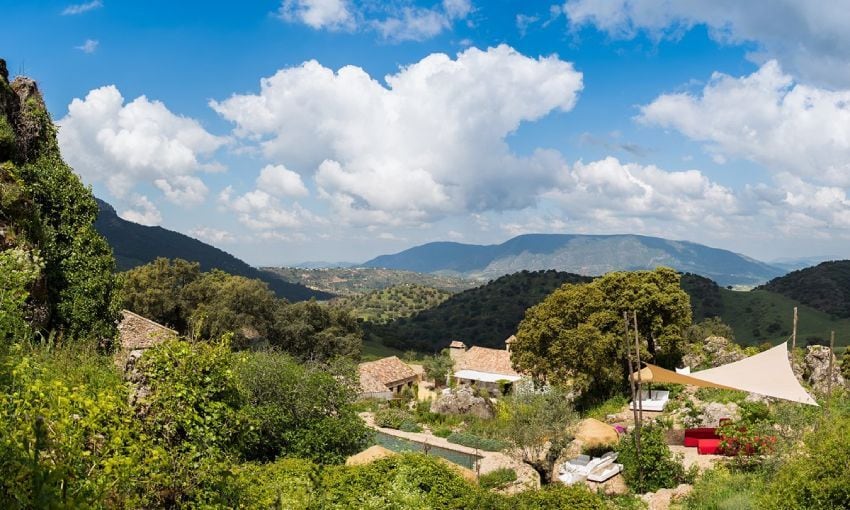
824 287
359 280
762 315
134 245
589 255
483 316
386 305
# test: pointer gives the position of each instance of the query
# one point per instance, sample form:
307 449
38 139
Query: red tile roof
483 359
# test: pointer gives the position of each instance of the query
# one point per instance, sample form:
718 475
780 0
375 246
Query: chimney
510 340
456 350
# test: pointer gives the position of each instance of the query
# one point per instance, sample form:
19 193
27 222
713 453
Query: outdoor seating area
711 441
584 468
652 400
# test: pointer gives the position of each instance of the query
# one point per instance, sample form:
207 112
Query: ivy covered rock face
48 212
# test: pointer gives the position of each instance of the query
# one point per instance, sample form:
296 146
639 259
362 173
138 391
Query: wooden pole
794 331
637 356
831 357
634 395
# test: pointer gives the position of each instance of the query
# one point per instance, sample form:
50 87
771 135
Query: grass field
759 316
374 350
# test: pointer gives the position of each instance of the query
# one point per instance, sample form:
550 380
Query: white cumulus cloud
212 235
319 14
610 193
767 118
183 190
808 37
121 144
143 211
279 180
428 142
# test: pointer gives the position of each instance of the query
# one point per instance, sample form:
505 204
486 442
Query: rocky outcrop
709 415
463 401
663 498
815 369
713 352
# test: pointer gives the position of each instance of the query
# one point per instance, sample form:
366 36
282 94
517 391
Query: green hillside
824 287
351 281
761 315
386 305
484 316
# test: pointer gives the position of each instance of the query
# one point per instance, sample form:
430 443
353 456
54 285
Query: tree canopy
576 335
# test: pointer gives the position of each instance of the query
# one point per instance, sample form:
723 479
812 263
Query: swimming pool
400 444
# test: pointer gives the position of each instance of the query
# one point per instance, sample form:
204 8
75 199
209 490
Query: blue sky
705 121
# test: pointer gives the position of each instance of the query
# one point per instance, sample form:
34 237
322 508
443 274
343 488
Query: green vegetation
47 215
721 488
759 316
208 305
386 305
362 280
473 441
658 468
575 336
483 316
825 287
497 479
438 366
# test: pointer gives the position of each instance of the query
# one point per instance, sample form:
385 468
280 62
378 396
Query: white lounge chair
584 468
605 469
655 400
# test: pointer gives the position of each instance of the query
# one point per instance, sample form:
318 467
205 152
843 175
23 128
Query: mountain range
588 255
134 245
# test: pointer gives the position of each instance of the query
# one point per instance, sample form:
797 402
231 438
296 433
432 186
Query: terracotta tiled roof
387 371
482 359
137 332
371 384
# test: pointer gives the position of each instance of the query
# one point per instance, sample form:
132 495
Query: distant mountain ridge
135 245
589 255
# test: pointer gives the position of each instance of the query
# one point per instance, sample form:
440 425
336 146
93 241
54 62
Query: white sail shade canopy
767 373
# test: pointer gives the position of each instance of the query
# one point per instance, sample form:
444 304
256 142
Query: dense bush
497 479
558 497
818 474
66 430
406 481
392 418
300 410
208 305
473 441
658 467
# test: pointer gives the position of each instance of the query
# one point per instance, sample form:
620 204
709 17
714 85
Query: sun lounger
584 468
653 401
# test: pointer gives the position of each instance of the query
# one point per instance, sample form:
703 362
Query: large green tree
312 331
155 290
576 335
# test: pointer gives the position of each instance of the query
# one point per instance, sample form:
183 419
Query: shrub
720 488
658 467
300 410
285 483
816 475
392 418
473 441
410 426
497 479
557 497
613 405
442 431
406 481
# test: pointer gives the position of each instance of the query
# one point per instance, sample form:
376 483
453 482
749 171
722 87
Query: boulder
462 401
816 369
713 352
662 498
592 432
